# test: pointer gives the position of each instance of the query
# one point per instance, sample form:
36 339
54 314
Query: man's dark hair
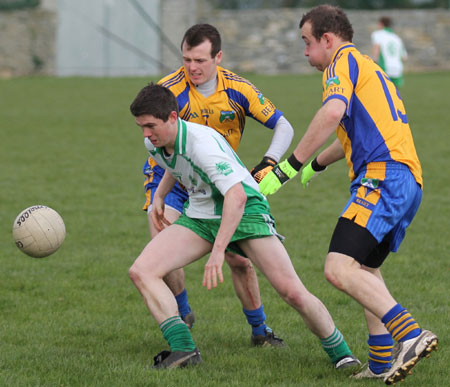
327 18
386 21
155 100
198 33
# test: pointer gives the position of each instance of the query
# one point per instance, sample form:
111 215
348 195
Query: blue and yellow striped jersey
375 127
226 109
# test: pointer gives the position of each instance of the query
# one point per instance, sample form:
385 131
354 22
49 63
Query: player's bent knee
333 273
134 274
139 273
297 300
290 292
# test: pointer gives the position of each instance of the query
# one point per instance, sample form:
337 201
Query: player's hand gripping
263 168
157 213
213 269
311 170
279 175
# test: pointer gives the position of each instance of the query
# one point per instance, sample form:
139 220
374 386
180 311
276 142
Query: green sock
335 346
177 334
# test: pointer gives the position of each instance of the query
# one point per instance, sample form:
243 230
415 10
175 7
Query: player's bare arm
331 154
320 129
233 209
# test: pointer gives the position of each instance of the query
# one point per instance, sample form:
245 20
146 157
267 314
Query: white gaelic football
39 231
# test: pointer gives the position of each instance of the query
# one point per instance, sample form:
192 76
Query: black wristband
316 166
294 162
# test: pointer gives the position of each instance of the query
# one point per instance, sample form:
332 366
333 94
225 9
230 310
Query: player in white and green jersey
209 155
388 51
225 211
211 95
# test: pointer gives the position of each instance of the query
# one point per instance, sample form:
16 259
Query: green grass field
75 318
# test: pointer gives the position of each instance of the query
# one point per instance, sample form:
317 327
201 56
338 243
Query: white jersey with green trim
392 52
207 166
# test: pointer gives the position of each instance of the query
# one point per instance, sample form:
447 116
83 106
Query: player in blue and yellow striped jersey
363 106
211 95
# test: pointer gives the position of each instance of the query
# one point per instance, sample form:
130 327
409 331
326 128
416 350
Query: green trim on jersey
216 195
179 147
220 145
236 157
183 128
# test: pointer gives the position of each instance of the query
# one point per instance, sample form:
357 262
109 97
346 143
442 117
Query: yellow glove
279 175
311 170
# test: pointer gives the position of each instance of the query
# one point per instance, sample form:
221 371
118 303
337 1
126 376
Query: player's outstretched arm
319 130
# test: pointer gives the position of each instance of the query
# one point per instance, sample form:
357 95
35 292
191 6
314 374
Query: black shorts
357 242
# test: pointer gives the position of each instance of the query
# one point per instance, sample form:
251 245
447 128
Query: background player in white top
225 211
389 51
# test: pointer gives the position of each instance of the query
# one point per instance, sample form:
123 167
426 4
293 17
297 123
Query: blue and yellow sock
256 318
400 324
177 334
380 352
335 346
183 304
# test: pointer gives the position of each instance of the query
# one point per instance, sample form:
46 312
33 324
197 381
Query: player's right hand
213 269
279 175
157 214
263 168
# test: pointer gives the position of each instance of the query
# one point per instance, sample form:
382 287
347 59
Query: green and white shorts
252 226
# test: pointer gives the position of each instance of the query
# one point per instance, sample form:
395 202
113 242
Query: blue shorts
384 200
174 199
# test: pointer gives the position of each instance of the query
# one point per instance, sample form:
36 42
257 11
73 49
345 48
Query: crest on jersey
224 168
334 80
261 98
227 115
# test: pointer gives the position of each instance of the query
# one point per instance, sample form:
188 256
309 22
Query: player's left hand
279 175
310 171
213 269
263 168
